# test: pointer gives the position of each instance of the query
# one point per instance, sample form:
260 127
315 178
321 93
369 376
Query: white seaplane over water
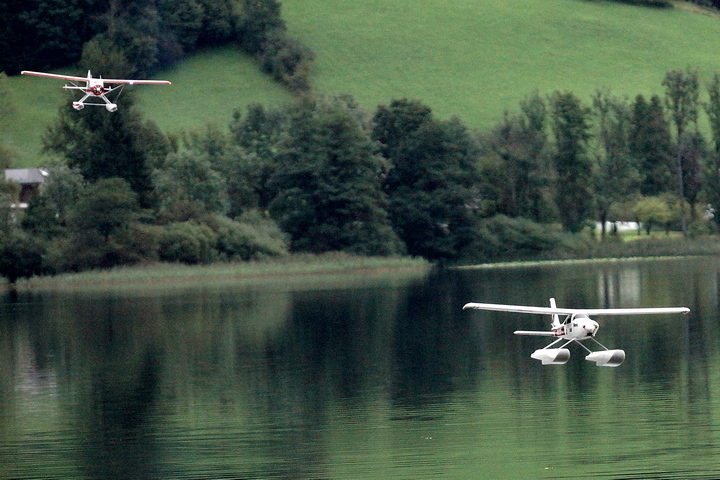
576 327
95 90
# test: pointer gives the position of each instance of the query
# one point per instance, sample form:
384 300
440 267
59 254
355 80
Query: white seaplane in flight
576 327
95 90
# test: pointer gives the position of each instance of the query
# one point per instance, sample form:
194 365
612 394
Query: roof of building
25 176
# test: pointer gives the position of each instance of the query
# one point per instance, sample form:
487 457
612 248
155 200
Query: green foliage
431 183
328 181
47 215
43 34
692 153
257 135
188 177
682 92
288 60
186 242
504 237
250 237
102 231
105 145
654 210
263 34
525 169
571 128
650 143
21 255
616 175
259 20
105 207
103 57
712 108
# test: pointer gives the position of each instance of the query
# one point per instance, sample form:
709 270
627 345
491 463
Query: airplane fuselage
578 327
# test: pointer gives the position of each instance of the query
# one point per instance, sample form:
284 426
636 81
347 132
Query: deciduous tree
616 176
328 178
432 181
104 145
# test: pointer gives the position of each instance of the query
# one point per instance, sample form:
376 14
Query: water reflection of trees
265 383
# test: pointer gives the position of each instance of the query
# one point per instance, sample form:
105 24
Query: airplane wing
52 75
137 82
574 311
633 311
104 80
520 309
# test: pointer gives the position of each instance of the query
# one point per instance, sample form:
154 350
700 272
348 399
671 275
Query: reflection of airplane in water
576 327
95 88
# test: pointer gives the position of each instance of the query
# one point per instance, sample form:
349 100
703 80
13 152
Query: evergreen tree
571 127
328 188
432 180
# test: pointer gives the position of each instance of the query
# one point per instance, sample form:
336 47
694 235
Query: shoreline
299 268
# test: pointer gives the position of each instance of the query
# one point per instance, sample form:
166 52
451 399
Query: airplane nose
591 328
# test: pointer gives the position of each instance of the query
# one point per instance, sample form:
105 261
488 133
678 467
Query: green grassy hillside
475 58
471 58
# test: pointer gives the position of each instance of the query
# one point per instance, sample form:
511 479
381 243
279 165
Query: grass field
474 59
470 58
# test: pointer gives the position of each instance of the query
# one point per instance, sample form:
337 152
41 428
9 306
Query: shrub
90 250
21 256
509 238
252 237
287 60
186 242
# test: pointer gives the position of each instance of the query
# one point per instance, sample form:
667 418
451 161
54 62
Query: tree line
323 174
140 37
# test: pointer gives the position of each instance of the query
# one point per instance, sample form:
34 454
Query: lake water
362 377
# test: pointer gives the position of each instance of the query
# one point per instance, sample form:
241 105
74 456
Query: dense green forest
324 174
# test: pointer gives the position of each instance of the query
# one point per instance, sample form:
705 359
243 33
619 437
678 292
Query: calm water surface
372 377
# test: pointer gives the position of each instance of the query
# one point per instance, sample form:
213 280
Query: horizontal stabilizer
538 334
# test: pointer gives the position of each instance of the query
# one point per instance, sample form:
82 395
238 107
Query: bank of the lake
618 248
300 267
293 268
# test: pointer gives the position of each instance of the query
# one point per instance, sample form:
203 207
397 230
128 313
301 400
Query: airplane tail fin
555 316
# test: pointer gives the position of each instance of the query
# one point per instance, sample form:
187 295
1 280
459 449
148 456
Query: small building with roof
31 181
